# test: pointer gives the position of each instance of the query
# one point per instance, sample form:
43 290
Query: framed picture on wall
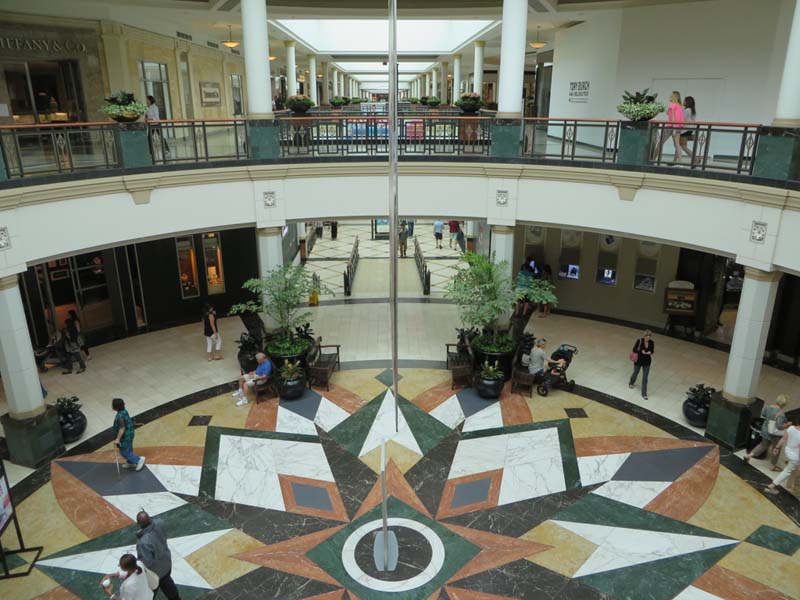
58 274
210 93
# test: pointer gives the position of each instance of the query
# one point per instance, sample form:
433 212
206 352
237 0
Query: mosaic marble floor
576 496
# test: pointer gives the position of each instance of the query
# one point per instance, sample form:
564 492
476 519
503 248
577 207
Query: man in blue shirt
438 228
260 375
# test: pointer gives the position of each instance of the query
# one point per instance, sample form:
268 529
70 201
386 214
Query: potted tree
292 380
299 103
640 106
423 100
414 100
355 100
280 295
71 419
433 101
338 102
538 291
123 108
484 293
469 102
489 381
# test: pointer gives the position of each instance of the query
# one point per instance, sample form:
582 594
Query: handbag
634 355
772 427
152 578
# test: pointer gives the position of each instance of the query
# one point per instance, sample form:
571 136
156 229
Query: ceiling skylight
377 67
362 36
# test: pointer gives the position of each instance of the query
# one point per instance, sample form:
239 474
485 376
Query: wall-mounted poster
210 93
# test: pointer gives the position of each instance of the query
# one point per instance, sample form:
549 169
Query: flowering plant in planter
640 106
433 101
414 100
355 100
469 102
423 100
339 101
299 103
123 107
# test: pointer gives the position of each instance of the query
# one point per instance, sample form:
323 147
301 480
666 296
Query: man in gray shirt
539 358
154 553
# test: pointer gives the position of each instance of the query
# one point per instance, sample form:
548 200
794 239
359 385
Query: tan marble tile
216 562
402 457
772 569
36 585
568 550
171 430
361 382
416 381
729 585
604 420
58 593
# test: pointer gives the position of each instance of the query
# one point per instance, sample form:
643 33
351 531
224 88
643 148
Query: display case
680 301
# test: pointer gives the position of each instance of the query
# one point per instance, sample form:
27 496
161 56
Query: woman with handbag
72 347
211 331
771 431
641 357
137 581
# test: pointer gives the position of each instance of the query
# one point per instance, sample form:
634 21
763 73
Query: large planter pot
504 360
72 426
488 389
279 359
293 388
470 109
126 118
696 413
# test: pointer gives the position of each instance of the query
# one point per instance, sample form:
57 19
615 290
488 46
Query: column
334 82
435 82
502 245
512 59
291 68
326 82
341 85
312 78
477 83
456 77
270 249
445 97
427 90
750 334
788 111
256 58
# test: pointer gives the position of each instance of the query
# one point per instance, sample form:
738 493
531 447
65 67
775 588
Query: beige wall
585 295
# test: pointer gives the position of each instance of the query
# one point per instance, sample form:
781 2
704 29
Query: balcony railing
197 141
368 136
571 139
30 150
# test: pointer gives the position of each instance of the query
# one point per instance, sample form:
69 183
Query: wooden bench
520 376
322 364
459 362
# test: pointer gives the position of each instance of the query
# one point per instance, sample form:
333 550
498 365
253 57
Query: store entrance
40 91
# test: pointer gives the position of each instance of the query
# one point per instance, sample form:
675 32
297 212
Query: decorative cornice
6 283
759 275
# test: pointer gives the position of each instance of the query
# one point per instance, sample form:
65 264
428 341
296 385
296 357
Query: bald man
154 553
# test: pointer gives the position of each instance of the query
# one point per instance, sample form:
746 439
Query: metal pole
393 200
384 513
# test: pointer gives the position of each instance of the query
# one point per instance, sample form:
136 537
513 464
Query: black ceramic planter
504 360
293 388
247 361
72 426
695 412
489 389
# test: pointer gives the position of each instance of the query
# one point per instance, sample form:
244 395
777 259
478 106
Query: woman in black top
211 331
70 338
81 338
644 348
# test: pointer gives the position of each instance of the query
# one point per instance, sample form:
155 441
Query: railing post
505 138
777 154
264 136
634 143
134 149
3 169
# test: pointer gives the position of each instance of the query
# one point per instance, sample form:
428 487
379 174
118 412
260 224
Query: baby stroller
556 375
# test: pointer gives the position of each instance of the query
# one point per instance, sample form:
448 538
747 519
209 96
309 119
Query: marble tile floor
577 496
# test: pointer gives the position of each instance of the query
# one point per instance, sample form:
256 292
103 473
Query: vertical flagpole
393 198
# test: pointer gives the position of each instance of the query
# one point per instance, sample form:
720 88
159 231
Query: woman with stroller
641 355
539 359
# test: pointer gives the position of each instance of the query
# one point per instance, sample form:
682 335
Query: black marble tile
576 413
200 420
518 518
660 465
471 403
269 583
305 406
525 580
429 475
104 479
354 478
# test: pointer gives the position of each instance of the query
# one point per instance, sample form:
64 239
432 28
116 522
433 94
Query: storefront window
607 259
646 266
570 257
236 94
187 267
156 83
212 255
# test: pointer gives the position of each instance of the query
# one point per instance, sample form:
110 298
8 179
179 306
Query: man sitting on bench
539 359
260 375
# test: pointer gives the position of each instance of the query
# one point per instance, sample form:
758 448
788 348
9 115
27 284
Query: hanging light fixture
230 42
537 44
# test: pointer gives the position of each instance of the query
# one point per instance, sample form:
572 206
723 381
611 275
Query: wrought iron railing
571 139
704 146
358 135
30 150
349 274
197 141
422 268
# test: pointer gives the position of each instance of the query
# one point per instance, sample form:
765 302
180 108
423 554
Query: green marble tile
569 460
634 145
777 157
86 585
458 551
557 423
775 539
385 377
427 430
133 145
352 432
506 141
656 580
728 422
599 510
264 140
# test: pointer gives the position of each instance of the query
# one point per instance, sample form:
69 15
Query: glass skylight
362 36
376 67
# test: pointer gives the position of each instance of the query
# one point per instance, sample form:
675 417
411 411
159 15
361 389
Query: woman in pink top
674 115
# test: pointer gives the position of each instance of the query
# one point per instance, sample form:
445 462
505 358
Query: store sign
579 91
41 45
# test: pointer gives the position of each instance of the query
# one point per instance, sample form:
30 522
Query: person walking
402 236
453 226
545 275
438 228
154 553
81 338
771 431
70 339
123 436
674 115
158 147
211 331
688 135
135 583
790 441
643 350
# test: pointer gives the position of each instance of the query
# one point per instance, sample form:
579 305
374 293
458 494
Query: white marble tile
154 503
488 418
620 547
181 479
596 469
251 487
383 429
329 415
635 493
241 452
187 544
184 574
479 455
528 446
98 561
536 478
449 412
303 459
693 593
290 422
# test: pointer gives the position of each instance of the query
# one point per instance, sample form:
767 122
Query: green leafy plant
491 105
491 371
538 290
291 370
469 102
247 344
123 104
433 101
355 100
299 103
494 345
414 100
483 292
640 106
339 101
68 405
280 295
423 100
